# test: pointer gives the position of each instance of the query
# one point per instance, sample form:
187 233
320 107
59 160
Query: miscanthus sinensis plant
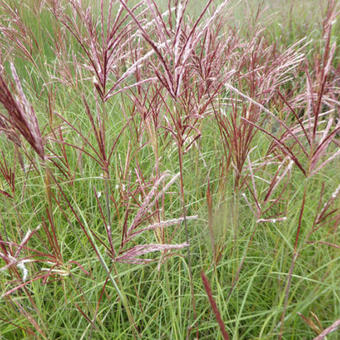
163 172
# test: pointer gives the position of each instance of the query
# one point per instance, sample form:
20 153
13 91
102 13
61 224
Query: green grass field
169 170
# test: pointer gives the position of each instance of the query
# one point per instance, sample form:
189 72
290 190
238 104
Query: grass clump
169 171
